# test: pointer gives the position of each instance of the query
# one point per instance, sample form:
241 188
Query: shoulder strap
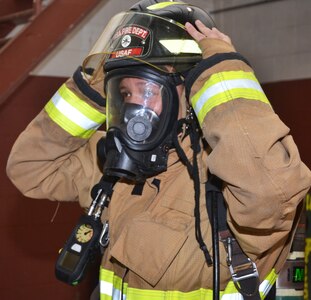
243 270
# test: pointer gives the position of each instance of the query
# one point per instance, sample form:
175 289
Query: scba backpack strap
243 270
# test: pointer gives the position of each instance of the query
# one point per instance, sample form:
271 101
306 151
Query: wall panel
29 240
292 102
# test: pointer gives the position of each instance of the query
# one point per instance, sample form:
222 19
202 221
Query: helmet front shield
134 38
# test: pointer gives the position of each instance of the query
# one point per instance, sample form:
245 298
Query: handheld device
86 238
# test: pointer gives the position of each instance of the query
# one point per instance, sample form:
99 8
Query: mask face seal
142 109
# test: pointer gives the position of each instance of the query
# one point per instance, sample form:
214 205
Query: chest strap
243 270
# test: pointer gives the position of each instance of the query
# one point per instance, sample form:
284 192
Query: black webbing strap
243 270
85 88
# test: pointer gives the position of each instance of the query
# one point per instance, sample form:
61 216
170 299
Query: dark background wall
292 102
30 240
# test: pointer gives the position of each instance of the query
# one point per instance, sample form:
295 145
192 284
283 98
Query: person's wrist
210 47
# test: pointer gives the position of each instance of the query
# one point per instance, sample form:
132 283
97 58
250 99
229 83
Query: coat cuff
210 47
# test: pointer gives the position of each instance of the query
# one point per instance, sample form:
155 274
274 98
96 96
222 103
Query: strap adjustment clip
244 273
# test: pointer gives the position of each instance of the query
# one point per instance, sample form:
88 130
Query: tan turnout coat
152 235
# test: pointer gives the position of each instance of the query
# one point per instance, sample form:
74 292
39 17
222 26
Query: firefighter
179 104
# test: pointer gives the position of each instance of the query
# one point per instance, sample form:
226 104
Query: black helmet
177 11
151 32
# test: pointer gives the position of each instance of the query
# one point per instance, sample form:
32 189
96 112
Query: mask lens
143 92
136 107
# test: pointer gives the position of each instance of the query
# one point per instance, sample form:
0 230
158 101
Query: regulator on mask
143 54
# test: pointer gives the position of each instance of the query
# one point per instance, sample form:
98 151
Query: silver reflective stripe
72 113
223 86
265 287
107 288
109 292
232 296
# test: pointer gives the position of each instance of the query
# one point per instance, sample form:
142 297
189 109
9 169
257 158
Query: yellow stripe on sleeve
73 114
226 86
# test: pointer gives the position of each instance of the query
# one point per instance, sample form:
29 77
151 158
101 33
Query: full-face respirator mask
142 56
142 110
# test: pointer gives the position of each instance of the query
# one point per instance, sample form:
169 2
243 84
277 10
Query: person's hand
205 32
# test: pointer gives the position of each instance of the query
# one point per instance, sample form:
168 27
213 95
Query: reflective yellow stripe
162 5
111 285
266 285
226 86
73 114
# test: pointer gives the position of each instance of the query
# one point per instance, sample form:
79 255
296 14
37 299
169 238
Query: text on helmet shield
135 30
126 52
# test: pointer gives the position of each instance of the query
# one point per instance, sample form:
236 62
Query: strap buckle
244 275
240 275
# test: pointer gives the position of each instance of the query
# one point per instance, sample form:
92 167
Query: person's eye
125 94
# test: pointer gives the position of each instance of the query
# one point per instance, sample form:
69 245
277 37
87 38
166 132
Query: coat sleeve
252 149
54 157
